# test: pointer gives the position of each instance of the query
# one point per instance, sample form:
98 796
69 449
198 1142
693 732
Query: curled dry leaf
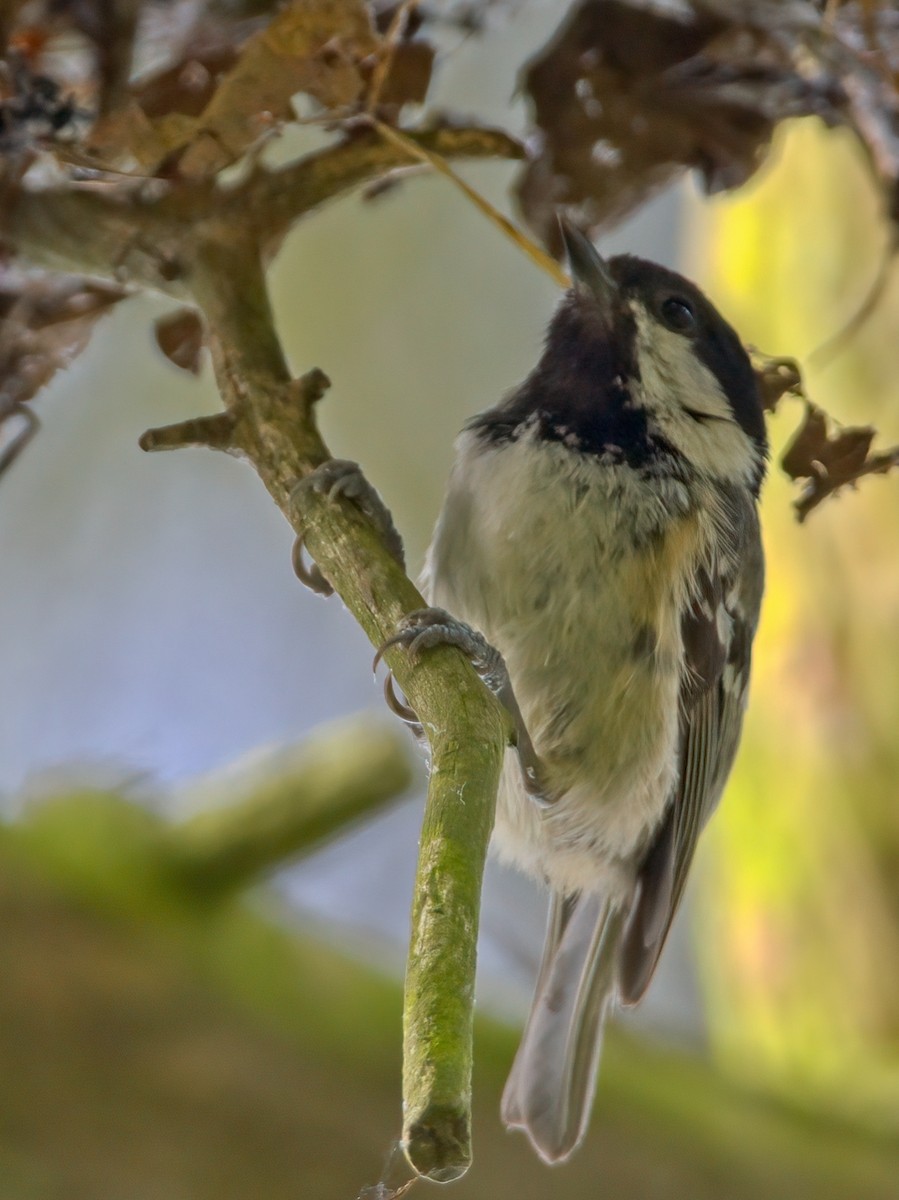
829 459
45 321
310 46
776 378
180 336
188 85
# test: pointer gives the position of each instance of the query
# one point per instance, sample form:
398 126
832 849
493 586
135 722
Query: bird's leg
429 627
334 478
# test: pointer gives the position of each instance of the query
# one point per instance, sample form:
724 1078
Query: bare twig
137 235
273 200
216 432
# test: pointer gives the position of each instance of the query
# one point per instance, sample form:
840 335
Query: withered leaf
776 377
409 76
201 113
606 142
180 336
45 321
829 460
631 93
188 85
310 46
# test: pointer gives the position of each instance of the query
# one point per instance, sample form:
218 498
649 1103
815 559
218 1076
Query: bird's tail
549 1092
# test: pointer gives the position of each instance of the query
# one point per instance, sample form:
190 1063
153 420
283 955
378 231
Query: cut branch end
438 1144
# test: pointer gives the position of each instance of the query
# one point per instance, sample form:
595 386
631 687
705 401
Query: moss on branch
466 727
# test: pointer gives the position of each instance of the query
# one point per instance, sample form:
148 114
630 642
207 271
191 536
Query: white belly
530 550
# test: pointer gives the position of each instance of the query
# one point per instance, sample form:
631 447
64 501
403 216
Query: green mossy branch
136 1020
210 247
467 729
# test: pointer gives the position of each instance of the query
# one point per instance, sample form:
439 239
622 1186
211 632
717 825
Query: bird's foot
428 627
333 479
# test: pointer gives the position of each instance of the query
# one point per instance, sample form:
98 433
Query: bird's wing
717 634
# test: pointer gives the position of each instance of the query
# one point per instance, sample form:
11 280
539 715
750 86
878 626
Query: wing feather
717 637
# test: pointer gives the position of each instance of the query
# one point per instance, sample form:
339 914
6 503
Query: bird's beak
589 269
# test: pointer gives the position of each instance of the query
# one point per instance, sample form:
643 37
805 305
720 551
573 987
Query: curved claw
398 639
310 575
396 706
403 711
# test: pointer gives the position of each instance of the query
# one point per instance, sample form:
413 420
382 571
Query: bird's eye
677 313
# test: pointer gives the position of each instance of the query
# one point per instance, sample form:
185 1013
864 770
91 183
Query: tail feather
550 1088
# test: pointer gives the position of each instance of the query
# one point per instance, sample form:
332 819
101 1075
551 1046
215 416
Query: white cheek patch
672 377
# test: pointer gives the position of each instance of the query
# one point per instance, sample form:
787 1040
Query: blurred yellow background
799 912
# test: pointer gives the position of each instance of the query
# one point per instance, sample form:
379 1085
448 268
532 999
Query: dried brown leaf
409 76
310 46
830 459
45 321
180 336
188 86
631 93
776 378
129 140
233 84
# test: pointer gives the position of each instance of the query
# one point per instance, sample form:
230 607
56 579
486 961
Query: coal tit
598 557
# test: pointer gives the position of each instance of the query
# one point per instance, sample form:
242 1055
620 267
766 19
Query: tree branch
264 818
207 245
272 425
136 232
273 200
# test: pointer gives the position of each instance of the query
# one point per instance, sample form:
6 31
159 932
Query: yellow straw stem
538 256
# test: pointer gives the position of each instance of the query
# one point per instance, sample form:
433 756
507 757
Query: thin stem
516 236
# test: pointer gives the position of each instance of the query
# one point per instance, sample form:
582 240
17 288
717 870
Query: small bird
600 541
598 558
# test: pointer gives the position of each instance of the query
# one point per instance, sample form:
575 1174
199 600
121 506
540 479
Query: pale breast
579 582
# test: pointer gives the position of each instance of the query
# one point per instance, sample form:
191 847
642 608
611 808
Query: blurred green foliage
156 1045
800 904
